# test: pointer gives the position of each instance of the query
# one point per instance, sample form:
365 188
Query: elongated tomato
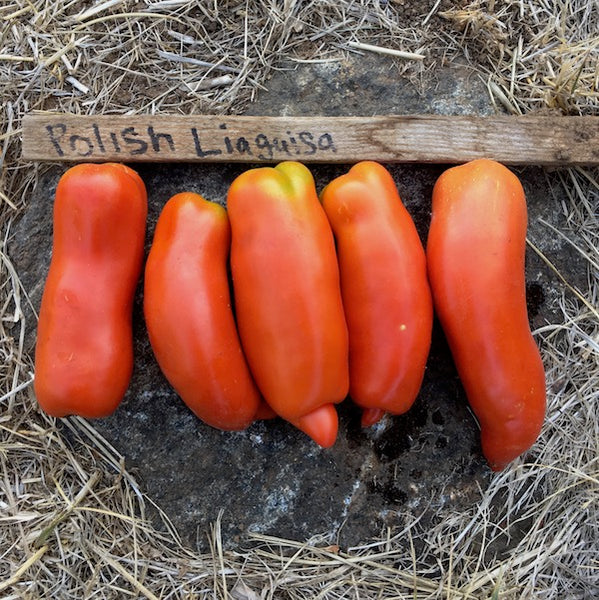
84 350
288 297
476 252
187 307
385 290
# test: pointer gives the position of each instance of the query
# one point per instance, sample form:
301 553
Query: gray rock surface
271 478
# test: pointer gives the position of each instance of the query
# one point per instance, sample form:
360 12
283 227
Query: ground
271 478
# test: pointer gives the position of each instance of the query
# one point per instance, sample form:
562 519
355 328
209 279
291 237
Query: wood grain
517 140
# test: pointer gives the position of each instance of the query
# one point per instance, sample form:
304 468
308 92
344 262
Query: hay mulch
73 520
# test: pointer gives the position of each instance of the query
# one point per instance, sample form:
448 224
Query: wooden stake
538 140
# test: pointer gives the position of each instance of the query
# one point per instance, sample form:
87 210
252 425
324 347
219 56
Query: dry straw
73 520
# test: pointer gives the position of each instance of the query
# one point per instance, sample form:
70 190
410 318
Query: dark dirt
271 478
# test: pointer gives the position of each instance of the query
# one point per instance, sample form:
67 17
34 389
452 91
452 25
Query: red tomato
385 290
84 351
287 296
188 313
476 247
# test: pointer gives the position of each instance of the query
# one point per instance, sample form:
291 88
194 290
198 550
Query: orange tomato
84 350
385 290
187 307
287 296
475 251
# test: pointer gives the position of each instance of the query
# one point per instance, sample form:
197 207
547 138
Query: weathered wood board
517 140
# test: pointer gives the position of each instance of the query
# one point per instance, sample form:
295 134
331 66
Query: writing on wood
424 138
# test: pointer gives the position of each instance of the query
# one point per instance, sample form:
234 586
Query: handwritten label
445 139
265 147
148 142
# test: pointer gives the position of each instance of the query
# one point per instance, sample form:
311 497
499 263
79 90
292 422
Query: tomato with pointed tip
385 290
476 252
84 349
189 318
287 296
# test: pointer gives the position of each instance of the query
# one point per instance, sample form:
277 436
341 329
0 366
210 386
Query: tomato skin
287 295
189 318
385 290
476 252
84 349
